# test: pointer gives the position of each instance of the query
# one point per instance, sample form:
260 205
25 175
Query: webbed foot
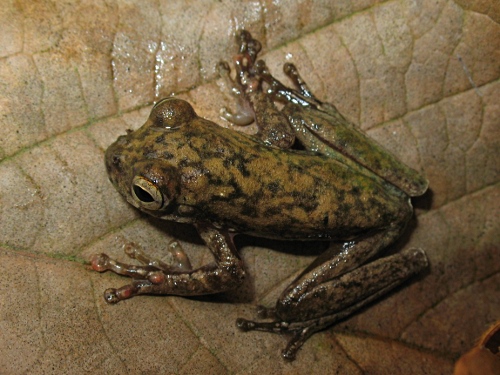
245 81
301 332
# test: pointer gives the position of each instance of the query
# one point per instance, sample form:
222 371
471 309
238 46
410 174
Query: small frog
337 185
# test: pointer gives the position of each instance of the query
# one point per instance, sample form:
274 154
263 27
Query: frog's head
136 162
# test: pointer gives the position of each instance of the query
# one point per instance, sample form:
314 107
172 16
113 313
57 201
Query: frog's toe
223 68
99 262
264 312
248 44
180 259
250 325
110 296
241 118
295 343
245 325
301 332
177 259
113 296
156 277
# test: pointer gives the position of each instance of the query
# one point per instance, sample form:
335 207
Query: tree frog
308 174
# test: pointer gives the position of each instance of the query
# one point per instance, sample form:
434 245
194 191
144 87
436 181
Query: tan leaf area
422 77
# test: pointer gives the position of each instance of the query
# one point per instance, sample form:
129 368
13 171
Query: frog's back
270 192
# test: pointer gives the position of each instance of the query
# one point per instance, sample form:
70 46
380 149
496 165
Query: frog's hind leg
393 270
335 286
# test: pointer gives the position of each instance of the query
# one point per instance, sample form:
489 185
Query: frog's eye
146 194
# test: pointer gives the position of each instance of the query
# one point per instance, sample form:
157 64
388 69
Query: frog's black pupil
142 194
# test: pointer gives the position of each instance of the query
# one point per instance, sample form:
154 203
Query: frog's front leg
337 285
155 278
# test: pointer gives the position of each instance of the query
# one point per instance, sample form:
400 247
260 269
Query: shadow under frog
339 186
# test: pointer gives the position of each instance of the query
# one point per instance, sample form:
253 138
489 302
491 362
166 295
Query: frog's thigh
355 289
320 280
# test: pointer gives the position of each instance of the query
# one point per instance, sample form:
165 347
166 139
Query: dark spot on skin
243 170
167 155
272 211
388 218
116 160
184 162
248 210
344 208
274 187
305 201
188 134
353 284
341 196
325 220
239 161
180 145
294 168
160 139
149 152
295 220
166 172
372 202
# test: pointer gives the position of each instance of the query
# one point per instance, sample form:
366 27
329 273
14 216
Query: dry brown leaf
421 76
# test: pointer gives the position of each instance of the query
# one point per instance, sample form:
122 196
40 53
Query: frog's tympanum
308 174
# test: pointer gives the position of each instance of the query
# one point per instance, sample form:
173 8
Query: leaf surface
422 77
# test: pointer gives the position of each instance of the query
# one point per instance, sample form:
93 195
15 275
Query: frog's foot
248 45
245 83
176 257
177 278
300 95
244 114
300 331
151 272
292 72
246 79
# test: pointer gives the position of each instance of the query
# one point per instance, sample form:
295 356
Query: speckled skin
182 168
234 181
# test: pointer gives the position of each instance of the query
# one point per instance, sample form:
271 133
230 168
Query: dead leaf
421 76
